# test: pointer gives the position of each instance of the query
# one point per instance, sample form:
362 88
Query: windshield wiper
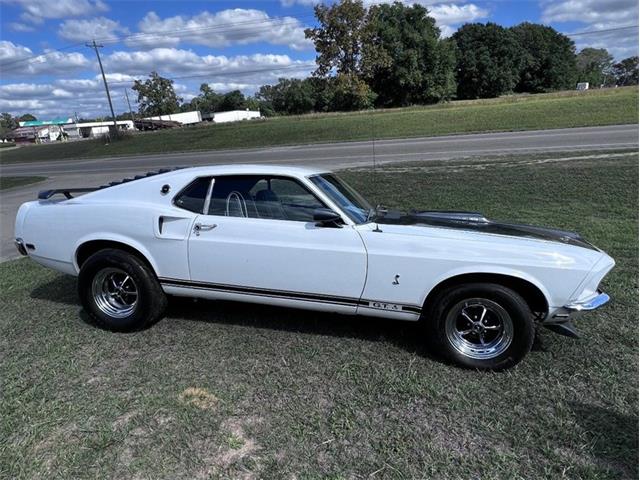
379 211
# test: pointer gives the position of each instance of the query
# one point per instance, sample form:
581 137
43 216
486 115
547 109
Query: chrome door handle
203 227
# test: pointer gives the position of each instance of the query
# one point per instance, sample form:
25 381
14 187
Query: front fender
489 270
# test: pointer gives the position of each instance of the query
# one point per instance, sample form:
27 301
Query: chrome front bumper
591 304
560 320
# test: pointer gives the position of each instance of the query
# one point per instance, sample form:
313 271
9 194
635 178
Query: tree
350 93
488 60
548 61
156 96
625 72
289 96
594 66
207 101
340 37
233 100
322 93
7 123
27 117
405 61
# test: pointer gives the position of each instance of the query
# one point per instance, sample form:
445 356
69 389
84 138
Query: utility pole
106 86
126 94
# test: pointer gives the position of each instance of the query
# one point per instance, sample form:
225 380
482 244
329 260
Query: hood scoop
433 217
477 222
448 217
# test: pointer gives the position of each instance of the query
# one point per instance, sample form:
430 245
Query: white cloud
220 29
99 28
37 11
21 27
449 15
16 61
598 15
60 98
619 43
177 62
611 12
306 3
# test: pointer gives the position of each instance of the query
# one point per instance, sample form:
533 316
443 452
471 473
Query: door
258 238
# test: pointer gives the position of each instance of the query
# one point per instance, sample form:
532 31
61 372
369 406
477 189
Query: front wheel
119 291
482 326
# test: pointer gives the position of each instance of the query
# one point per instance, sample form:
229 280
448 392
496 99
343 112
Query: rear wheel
119 291
483 326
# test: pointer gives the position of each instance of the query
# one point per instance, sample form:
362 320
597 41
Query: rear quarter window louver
68 192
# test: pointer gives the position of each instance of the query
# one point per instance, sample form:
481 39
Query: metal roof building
43 123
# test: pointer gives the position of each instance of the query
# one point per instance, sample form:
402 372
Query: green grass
7 145
11 182
518 112
217 390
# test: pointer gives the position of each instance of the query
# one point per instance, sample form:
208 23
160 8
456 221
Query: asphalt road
335 156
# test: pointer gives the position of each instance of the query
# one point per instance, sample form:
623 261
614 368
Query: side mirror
325 217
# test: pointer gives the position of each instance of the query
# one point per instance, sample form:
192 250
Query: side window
296 201
193 196
255 196
231 196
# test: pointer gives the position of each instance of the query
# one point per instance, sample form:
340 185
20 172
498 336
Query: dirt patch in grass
199 397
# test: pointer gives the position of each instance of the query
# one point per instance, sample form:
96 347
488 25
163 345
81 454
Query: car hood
478 223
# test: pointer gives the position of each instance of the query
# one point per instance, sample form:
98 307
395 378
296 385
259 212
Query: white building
95 129
185 118
233 116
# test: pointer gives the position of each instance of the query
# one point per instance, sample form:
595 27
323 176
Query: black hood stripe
476 222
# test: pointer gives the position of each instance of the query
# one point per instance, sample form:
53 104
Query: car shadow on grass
60 289
613 438
406 335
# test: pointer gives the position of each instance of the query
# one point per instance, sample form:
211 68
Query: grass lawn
219 390
518 112
10 182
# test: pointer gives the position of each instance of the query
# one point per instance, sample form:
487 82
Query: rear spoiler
68 192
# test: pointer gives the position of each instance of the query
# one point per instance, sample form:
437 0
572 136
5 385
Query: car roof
248 169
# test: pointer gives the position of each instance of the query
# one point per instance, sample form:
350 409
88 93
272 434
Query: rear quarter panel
127 215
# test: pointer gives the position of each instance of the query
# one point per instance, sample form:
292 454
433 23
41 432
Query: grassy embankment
237 391
10 182
518 112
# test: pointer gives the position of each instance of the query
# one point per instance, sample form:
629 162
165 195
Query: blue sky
241 44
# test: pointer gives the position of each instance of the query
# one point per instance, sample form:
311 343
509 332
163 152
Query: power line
590 32
225 74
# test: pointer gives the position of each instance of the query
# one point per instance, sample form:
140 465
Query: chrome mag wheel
114 292
479 328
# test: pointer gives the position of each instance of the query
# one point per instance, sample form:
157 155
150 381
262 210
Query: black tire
128 312
446 325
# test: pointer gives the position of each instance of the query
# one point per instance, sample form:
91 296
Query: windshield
350 201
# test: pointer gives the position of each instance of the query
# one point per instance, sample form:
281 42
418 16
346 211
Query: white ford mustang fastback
303 238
